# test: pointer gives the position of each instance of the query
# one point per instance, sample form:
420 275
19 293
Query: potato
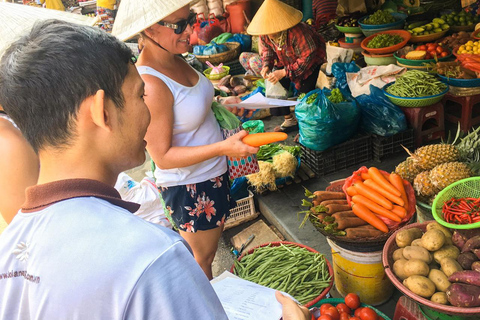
449 266
416 267
439 297
405 237
416 243
439 279
399 269
433 239
420 285
447 251
438 226
398 254
414 252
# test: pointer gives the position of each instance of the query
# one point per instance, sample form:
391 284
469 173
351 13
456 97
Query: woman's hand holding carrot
236 148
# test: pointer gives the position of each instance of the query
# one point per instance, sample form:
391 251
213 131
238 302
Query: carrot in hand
363 213
397 181
380 179
372 184
375 208
399 211
371 194
260 139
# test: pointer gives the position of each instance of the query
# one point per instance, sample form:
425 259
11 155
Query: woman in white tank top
184 139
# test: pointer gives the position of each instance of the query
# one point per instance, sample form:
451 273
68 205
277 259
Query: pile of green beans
288 268
415 84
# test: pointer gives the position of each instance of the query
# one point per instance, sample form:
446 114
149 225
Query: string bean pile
288 268
415 84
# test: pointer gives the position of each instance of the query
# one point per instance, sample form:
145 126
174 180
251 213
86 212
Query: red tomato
368 314
431 46
354 318
344 316
352 300
428 56
433 53
444 54
422 47
333 313
342 307
403 56
439 50
325 317
357 312
324 307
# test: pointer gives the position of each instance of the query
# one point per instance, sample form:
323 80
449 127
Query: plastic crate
385 146
235 67
344 155
243 212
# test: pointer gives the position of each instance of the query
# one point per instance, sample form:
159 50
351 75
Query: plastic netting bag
225 118
254 126
339 71
323 124
379 115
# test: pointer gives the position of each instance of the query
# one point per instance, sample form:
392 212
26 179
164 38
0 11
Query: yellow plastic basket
469 188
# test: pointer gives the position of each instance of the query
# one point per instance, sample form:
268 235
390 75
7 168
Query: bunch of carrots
470 61
377 194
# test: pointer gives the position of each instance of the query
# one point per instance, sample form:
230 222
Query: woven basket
231 54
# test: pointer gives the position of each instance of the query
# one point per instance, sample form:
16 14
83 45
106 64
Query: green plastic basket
335 301
414 102
226 71
469 187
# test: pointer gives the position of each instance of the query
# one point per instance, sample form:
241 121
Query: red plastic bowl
402 33
277 244
387 259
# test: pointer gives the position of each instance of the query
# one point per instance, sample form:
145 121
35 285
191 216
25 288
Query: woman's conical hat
274 16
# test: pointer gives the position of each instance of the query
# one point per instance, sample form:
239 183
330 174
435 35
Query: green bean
414 84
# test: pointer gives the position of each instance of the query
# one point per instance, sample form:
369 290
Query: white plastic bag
359 82
276 91
146 194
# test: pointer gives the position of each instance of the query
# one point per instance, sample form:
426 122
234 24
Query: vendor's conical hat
134 16
16 20
274 16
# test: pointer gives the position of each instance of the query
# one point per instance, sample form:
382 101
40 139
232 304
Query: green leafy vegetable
384 40
336 96
379 17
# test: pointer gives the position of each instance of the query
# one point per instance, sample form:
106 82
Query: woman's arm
160 102
20 168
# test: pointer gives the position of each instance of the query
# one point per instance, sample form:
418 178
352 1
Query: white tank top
194 124
6 117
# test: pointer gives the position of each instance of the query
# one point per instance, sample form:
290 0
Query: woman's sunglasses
181 25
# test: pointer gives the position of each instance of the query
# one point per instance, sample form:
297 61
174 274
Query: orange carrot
365 214
372 184
397 182
259 139
373 195
399 211
351 191
365 176
375 208
380 179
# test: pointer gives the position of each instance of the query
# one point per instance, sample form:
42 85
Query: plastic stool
463 109
407 309
417 118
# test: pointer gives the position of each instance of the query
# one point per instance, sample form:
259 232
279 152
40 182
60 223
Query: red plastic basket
277 244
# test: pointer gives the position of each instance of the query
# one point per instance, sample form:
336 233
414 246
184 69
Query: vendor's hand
276 75
235 110
264 72
234 147
291 310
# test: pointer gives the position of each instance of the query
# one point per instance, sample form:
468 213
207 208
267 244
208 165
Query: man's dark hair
45 76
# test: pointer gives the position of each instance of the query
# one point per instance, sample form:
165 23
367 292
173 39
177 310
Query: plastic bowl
402 33
356 30
476 34
378 59
469 187
226 71
343 44
428 37
323 293
335 301
419 63
462 83
387 259
369 29
414 102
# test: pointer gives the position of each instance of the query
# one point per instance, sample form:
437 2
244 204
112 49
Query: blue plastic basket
398 24
462 83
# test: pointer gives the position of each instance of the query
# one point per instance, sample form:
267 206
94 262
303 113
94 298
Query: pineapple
445 174
424 186
408 170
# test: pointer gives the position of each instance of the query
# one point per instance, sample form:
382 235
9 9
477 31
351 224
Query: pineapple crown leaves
469 146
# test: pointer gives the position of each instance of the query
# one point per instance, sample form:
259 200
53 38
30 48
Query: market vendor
292 52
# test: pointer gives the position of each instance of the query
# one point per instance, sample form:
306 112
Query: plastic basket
218 76
462 83
386 146
469 187
335 301
243 212
428 37
419 63
323 293
414 102
235 67
355 30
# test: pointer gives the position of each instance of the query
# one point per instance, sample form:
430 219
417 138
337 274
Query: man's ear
99 112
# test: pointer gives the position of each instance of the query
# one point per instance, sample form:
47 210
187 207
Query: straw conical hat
134 16
274 16
16 20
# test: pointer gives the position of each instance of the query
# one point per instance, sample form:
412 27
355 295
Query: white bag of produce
359 82
337 54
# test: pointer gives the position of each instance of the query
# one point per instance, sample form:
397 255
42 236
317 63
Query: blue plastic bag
323 124
339 71
379 115
239 189
244 40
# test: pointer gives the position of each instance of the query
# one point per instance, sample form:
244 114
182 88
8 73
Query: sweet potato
466 276
463 295
476 266
328 195
458 239
327 202
472 243
362 232
344 214
344 223
332 208
476 252
466 259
